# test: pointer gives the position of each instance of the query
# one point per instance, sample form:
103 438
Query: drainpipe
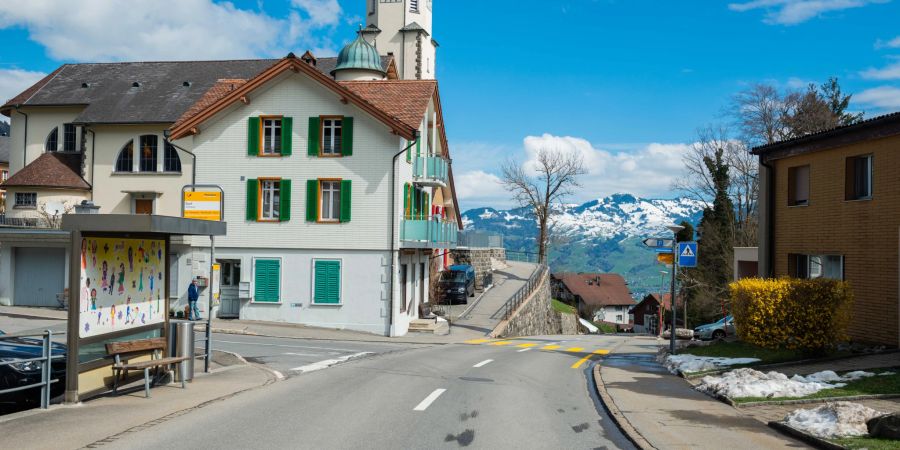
25 142
770 216
393 230
193 156
93 158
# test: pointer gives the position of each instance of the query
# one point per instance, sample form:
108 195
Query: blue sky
625 82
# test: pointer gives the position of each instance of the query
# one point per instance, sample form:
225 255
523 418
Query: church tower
403 28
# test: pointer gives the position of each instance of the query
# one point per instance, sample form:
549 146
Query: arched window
149 144
52 140
125 161
171 161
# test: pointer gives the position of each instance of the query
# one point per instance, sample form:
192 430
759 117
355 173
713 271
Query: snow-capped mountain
601 235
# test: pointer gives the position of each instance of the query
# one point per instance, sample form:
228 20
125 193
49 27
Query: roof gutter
193 156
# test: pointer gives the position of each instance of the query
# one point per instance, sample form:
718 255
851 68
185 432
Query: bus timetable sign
202 203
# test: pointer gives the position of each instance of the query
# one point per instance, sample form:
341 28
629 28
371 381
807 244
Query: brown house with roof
830 207
601 297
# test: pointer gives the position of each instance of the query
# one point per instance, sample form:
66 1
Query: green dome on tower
359 55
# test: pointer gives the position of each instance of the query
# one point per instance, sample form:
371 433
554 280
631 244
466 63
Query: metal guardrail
45 359
28 222
516 300
517 256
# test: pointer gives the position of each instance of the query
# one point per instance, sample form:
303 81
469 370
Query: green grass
739 349
605 327
877 385
867 443
562 307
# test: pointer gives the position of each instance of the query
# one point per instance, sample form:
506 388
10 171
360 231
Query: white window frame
65 137
329 134
272 211
271 145
18 204
328 189
4 175
819 271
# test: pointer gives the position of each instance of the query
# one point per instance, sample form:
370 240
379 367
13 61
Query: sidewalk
107 418
668 413
489 311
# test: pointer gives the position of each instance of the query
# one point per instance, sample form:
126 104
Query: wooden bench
123 352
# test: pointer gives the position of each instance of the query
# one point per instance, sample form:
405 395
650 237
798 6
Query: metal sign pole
672 298
212 259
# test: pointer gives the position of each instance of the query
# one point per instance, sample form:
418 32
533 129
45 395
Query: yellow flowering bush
806 315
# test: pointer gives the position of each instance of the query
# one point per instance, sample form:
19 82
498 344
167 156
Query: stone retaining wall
536 316
480 259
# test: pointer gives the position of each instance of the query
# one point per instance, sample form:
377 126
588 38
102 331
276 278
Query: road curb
620 420
805 437
251 333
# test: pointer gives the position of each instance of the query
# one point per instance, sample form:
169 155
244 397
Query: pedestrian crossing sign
687 254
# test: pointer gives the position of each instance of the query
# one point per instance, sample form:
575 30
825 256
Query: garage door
39 276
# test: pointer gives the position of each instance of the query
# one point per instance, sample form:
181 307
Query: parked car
716 330
26 373
457 283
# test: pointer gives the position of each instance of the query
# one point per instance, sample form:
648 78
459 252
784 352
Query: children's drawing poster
122 284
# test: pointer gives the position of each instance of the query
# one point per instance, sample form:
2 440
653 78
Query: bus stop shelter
119 288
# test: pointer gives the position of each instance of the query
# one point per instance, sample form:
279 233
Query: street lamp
675 229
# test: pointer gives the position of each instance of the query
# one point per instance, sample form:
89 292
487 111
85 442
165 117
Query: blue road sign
687 254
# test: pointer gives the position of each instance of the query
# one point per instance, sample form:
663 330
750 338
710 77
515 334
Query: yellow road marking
581 361
575 349
501 343
529 345
551 347
477 341
601 352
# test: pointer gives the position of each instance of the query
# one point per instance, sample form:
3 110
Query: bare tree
52 216
759 113
555 177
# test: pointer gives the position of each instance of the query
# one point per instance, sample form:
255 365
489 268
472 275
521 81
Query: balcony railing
428 233
431 170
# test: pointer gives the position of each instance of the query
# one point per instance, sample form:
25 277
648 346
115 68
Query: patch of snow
588 325
692 363
497 264
752 383
887 374
838 419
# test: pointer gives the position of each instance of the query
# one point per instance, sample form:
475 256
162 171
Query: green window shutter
312 200
267 280
409 152
426 206
346 190
328 283
252 200
284 213
418 147
406 212
253 136
313 140
287 135
347 137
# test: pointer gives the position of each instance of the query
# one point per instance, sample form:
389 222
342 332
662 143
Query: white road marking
429 400
286 346
327 363
524 350
484 363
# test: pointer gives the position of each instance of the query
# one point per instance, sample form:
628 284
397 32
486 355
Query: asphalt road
522 394
290 357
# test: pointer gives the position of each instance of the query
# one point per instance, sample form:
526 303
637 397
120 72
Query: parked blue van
457 283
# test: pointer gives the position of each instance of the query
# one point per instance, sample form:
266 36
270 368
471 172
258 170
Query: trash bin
181 343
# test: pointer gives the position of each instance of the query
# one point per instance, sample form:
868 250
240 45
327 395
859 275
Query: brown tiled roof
597 289
883 126
405 100
51 170
219 90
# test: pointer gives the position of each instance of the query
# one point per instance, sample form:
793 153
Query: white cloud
792 12
882 97
892 43
116 30
890 72
14 81
646 171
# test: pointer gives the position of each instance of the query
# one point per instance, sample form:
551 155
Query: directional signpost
659 243
687 254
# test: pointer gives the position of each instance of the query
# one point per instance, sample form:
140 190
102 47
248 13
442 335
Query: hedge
806 315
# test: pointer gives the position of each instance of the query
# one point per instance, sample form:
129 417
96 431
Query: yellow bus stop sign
203 205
